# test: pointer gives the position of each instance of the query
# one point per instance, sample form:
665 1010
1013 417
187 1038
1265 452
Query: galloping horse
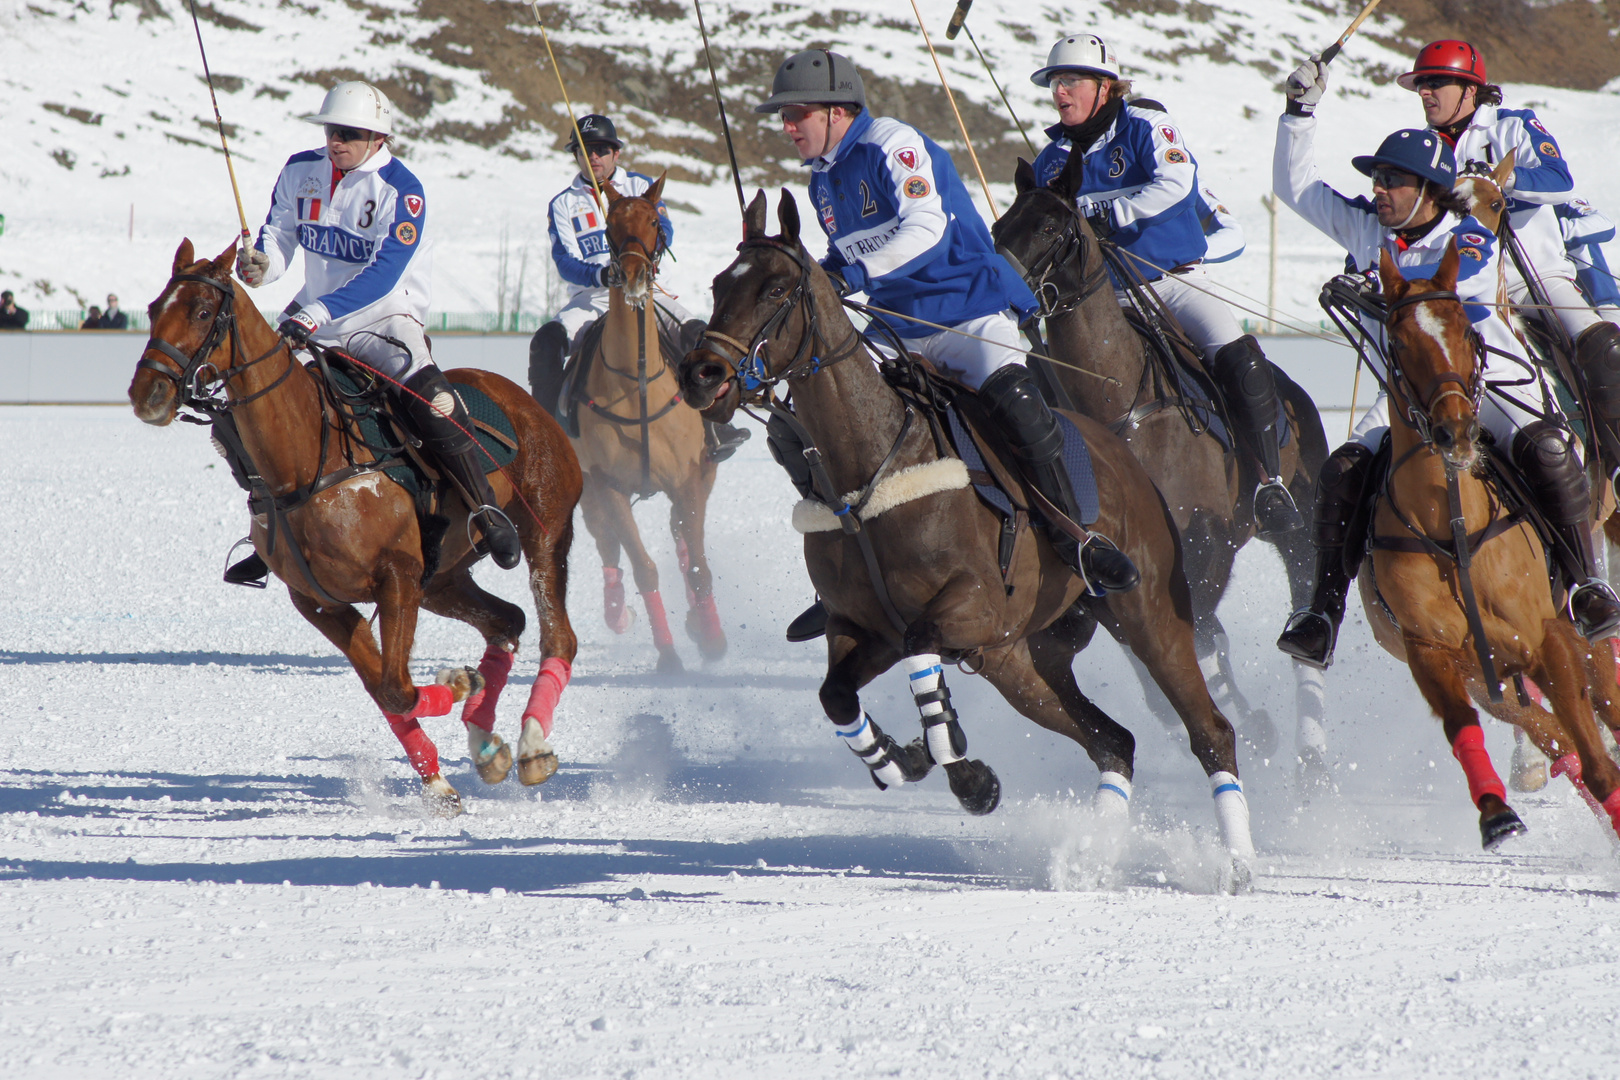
634 441
1044 235
349 536
1453 577
938 595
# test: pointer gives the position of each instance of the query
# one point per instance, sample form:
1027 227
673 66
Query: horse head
190 316
766 306
635 239
1480 192
1043 235
1434 364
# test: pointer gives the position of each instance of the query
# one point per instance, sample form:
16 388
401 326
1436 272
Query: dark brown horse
1105 368
1417 600
358 539
936 550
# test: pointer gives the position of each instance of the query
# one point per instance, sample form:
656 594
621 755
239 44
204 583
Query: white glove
252 265
1306 86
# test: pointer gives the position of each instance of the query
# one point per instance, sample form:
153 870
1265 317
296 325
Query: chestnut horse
1418 597
357 540
943 597
634 441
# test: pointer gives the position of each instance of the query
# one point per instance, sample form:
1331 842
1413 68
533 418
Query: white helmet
1079 53
356 105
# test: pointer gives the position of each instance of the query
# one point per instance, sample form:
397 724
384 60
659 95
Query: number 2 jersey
364 238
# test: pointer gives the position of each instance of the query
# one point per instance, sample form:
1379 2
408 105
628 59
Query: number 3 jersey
364 237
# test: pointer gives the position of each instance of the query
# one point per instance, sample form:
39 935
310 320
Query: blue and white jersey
901 227
1141 170
1222 232
1353 223
579 243
364 235
1541 178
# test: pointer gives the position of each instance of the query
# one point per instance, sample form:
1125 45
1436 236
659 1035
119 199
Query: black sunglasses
346 134
1389 179
1435 82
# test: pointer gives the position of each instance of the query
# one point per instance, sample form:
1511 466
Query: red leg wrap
660 621
1469 750
614 612
1534 693
1611 807
480 708
423 755
433 700
709 619
685 560
548 687
1570 765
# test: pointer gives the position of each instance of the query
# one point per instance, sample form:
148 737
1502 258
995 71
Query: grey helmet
815 77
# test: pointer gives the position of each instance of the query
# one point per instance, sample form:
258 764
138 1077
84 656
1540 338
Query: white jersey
1540 180
364 236
579 243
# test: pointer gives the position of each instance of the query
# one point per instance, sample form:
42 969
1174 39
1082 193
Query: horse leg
598 523
688 507
456 595
623 525
1565 676
1438 671
855 658
1215 661
547 556
1310 683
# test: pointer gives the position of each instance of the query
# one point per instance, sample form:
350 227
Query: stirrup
725 440
1607 624
1275 511
1309 637
1105 568
251 571
810 623
506 557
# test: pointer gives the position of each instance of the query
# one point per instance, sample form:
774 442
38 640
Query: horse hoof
492 758
1529 772
620 619
537 768
463 682
440 799
1500 827
1311 776
1260 733
914 760
1236 878
975 786
669 662
703 628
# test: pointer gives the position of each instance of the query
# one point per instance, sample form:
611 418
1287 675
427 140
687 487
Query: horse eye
778 291
1049 229
202 313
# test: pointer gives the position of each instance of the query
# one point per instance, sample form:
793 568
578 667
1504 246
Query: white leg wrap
1232 812
941 731
862 739
1113 795
1310 702
1216 678
482 745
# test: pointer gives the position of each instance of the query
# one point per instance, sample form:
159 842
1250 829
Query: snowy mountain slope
107 113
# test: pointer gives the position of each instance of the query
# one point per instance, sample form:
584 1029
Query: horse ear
1504 168
787 212
754 217
221 266
184 256
656 192
611 192
1446 278
1070 180
1390 276
1023 176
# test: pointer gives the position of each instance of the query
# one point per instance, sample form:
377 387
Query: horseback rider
1415 217
361 218
902 229
579 248
1458 103
1141 191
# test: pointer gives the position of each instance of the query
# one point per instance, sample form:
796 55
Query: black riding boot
1545 454
548 351
788 451
721 440
1597 354
1016 406
440 419
1244 377
1313 631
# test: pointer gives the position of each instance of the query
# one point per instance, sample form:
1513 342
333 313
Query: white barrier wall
62 366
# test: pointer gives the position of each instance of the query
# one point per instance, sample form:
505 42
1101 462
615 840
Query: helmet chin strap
1417 204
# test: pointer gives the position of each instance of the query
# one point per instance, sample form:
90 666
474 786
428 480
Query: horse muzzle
708 386
1457 440
155 402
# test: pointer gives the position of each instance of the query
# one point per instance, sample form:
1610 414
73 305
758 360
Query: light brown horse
359 538
1417 601
937 553
635 441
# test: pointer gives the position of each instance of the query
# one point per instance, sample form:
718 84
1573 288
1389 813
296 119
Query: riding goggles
346 134
1387 178
1434 82
797 114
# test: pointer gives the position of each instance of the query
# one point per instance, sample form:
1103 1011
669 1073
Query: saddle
577 373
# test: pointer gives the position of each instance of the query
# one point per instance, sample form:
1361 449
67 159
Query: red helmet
1458 59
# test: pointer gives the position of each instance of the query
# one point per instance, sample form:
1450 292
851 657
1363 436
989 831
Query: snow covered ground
213 861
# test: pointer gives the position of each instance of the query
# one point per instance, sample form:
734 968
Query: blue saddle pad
1076 458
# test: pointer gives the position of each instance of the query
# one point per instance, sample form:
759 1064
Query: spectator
12 317
94 321
114 319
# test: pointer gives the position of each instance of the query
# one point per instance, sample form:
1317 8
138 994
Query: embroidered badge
916 188
309 187
1169 134
1174 157
405 232
907 157
1472 252
1547 149
1472 238
413 205
1539 127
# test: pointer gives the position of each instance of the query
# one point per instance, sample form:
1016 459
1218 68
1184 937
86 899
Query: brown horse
1105 368
634 441
357 540
944 598
1417 593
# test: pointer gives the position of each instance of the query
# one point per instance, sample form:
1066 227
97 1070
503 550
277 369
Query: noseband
190 380
1420 404
1071 246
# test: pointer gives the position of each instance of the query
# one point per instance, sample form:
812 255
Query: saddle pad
1076 458
577 368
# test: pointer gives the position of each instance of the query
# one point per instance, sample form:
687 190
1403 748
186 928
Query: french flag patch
585 222
309 209
413 205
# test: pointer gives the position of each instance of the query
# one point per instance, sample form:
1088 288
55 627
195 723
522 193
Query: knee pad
1016 404
550 343
788 451
1545 453
1242 365
435 410
1598 352
1340 490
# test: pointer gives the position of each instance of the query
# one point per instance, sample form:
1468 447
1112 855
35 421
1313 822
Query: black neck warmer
1081 136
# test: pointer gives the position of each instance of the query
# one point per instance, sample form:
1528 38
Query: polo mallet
959 23
1333 50
219 122
995 213
579 140
725 125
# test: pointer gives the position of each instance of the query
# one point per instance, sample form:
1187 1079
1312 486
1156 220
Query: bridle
1071 246
816 353
197 372
1421 403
